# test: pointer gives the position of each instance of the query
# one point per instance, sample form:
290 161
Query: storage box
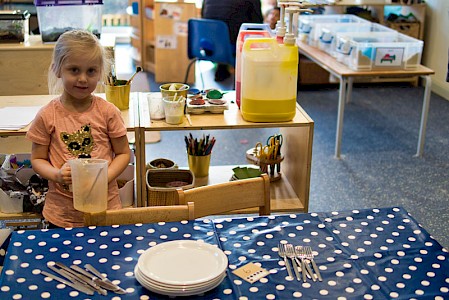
328 33
309 26
126 190
162 185
14 26
58 16
379 51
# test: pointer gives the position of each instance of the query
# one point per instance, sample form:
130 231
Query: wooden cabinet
159 38
309 73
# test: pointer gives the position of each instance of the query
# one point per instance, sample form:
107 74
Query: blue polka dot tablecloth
362 254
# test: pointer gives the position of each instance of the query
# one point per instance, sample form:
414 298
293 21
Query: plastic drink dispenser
244 34
269 77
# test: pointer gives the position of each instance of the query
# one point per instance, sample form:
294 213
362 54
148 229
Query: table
346 77
380 253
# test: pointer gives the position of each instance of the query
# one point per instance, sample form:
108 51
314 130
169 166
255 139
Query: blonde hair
75 42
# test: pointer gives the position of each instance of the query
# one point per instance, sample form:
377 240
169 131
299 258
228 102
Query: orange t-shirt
72 135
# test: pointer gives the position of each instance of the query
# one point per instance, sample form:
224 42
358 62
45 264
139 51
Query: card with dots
251 272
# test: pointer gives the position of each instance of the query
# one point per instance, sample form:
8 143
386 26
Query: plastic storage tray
379 50
309 26
328 33
14 26
58 16
207 106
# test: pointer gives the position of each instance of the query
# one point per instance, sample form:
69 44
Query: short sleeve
116 124
40 130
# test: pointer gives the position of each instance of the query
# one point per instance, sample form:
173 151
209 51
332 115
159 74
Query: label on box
389 57
251 272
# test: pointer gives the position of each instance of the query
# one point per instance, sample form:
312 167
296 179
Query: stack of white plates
181 268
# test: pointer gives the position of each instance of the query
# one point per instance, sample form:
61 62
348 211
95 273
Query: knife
109 285
104 284
84 279
72 285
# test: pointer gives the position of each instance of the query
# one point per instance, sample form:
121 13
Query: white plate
149 281
182 262
178 288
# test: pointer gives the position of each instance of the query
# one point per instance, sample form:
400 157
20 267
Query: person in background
233 13
76 124
272 17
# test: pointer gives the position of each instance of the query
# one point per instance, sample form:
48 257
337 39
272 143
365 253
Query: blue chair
209 40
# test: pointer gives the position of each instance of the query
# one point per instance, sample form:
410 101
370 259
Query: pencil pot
199 165
118 94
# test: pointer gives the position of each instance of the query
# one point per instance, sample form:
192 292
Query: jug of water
89 184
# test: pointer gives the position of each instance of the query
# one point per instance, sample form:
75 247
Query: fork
304 264
310 256
281 252
290 252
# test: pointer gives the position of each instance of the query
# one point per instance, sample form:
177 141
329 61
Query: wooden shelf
168 63
291 193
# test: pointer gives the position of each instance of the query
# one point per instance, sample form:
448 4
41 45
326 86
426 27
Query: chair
209 40
150 214
229 196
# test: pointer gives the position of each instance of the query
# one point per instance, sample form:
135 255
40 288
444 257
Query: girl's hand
64 175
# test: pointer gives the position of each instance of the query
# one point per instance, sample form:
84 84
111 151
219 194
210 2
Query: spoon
138 69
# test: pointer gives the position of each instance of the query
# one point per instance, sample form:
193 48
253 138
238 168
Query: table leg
349 89
424 114
340 115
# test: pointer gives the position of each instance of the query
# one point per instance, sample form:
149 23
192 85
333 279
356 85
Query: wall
436 41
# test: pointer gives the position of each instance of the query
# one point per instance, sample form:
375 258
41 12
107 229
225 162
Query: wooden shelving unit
291 192
159 38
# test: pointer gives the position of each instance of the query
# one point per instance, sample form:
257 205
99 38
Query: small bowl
161 163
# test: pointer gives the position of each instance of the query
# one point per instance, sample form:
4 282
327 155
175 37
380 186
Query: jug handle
250 41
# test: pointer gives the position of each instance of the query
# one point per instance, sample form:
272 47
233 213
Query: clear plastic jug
269 80
89 184
244 34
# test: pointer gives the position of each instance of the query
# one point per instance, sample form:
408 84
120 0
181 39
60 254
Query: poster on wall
166 42
170 11
180 28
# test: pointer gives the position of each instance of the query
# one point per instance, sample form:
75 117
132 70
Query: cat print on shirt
79 143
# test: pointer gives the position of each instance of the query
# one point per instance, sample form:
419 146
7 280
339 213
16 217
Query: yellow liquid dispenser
269 80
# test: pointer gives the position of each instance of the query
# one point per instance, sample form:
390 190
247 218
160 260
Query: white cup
174 109
156 106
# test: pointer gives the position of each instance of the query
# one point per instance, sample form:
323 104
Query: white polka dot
364 271
306 240
280 287
343 225
375 287
324 292
395 233
394 295
357 280
436 266
406 276
390 241
395 261
351 237
361 250
270 296
297 294
345 244
4 288
339 274
46 295
383 248
389 270
347 265
238 282
227 291
349 290
269 236
382 278
332 283
371 263
306 285
419 292
377 255
430 274
400 285
253 289
367 243
444 289
412 268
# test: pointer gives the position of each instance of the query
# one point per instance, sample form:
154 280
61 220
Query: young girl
76 124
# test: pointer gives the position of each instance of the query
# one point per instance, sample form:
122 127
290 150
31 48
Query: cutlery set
88 280
301 260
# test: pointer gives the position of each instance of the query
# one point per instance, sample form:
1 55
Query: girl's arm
122 152
42 166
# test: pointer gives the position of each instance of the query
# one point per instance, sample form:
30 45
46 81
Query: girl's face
80 76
